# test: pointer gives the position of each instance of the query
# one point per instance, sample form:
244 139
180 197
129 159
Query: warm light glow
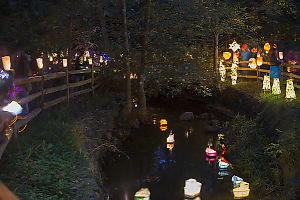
234 46
192 188
223 165
6 63
290 91
90 61
171 139
50 58
143 194
163 128
163 122
210 152
222 71
276 86
101 59
280 54
233 73
86 54
266 83
226 55
65 62
252 63
242 191
39 62
267 47
259 61
235 58
236 180
170 146
13 108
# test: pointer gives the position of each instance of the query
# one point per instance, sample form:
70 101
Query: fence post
67 82
92 78
43 92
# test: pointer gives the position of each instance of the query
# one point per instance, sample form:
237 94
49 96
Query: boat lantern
142 194
236 181
276 86
242 191
39 62
252 63
234 46
259 61
267 47
6 63
192 188
226 55
280 54
290 92
266 83
65 62
90 61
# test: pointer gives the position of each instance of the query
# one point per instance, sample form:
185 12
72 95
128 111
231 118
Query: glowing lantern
252 63
276 86
266 83
4 75
210 159
101 59
242 191
223 165
210 152
274 46
222 71
90 61
171 139
86 53
235 58
84 58
226 55
234 46
50 58
163 128
192 188
280 54
170 146
236 180
13 108
142 194
65 62
267 47
254 50
259 61
290 92
134 103
233 73
223 173
6 63
39 62
163 122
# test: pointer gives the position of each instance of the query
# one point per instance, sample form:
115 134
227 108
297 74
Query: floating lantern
234 46
266 83
163 122
13 108
242 191
280 54
6 63
142 194
276 86
39 62
171 139
226 55
290 92
65 62
210 152
90 61
267 47
252 63
259 60
192 188
236 181
223 165
222 71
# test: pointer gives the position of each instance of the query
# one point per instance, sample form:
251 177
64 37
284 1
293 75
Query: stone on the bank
187 116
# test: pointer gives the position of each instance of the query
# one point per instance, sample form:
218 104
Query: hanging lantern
267 47
266 83
170 146
192 188
254 50
276 86
235 58
163 122
290 92
242 191
252 63
280 54
222 71
259 61
90 61
226 55
234 46
6 63
65 62
39 62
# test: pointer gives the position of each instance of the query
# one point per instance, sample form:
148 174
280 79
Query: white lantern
222 71
252 63
192 188
6 63
90 61
290 91
276 86
13 108
234 46
39 62
266 83
280 54
65 62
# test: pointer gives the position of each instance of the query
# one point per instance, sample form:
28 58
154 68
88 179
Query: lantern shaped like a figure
266 83
210 152
39 62
233 73
192 188
90 61
267 47
280 55
234 46
290 91
252 63
142 194
222 71
226 55
276 86
170 138
242 191
259 61
6 63
65 62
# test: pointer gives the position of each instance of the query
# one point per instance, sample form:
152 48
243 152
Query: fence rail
43 92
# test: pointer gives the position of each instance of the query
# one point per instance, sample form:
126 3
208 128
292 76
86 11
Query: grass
46 160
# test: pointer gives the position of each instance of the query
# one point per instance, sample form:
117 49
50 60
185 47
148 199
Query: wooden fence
67 89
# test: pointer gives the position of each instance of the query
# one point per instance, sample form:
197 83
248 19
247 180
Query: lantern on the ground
233 73
6 63
259 61
222 71
242 191
280 54
290 91
192 188
226 55
39 62
65 62
252 63
235 58
254 50
276 86
142 194
50 58
234 46
266 83
267 47
90 61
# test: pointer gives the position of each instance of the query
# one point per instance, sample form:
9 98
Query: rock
211 129
203 116
187 116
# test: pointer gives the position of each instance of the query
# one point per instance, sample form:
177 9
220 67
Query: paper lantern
86 53
39 62
50 58
223 165
235 58
170 138
290 91
267 47
84 58
13 108
233 73
254 50
222 71
192 188
90 61
142 194
266 83
236 181
259 61
242 191
101 59
65 62
276 86
252 63
6 63
234 46
226 55
170 146
210 152
163 122
280 54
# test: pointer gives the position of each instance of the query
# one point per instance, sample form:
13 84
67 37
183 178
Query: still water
151 164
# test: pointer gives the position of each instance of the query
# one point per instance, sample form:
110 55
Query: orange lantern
280 54
267 47
259 61
90 61
226 55
254 50
6 63
39 62
65 62
163 128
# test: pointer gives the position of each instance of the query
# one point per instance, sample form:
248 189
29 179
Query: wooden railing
67 90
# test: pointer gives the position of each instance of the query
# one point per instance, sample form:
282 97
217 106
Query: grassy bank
46 160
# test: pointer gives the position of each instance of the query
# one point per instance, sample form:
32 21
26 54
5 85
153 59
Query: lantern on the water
142 194
39 62
6 63
276 86
267 47
90 61
192 188
65 62
259 61
242 191
290 91
226 55
280 55
252 63
222 71
266 83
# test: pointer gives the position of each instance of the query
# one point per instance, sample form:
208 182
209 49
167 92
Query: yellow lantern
259 61
267 47
242 191
266 83
233 73
170 146
290 92
280 54
101 59
252 63
163 128
276 86
39 62
90 61
163 122
6 63
226 55
65 62
50 58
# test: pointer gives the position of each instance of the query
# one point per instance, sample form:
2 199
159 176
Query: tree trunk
103 26
142 97
216 51
128 103
70 40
